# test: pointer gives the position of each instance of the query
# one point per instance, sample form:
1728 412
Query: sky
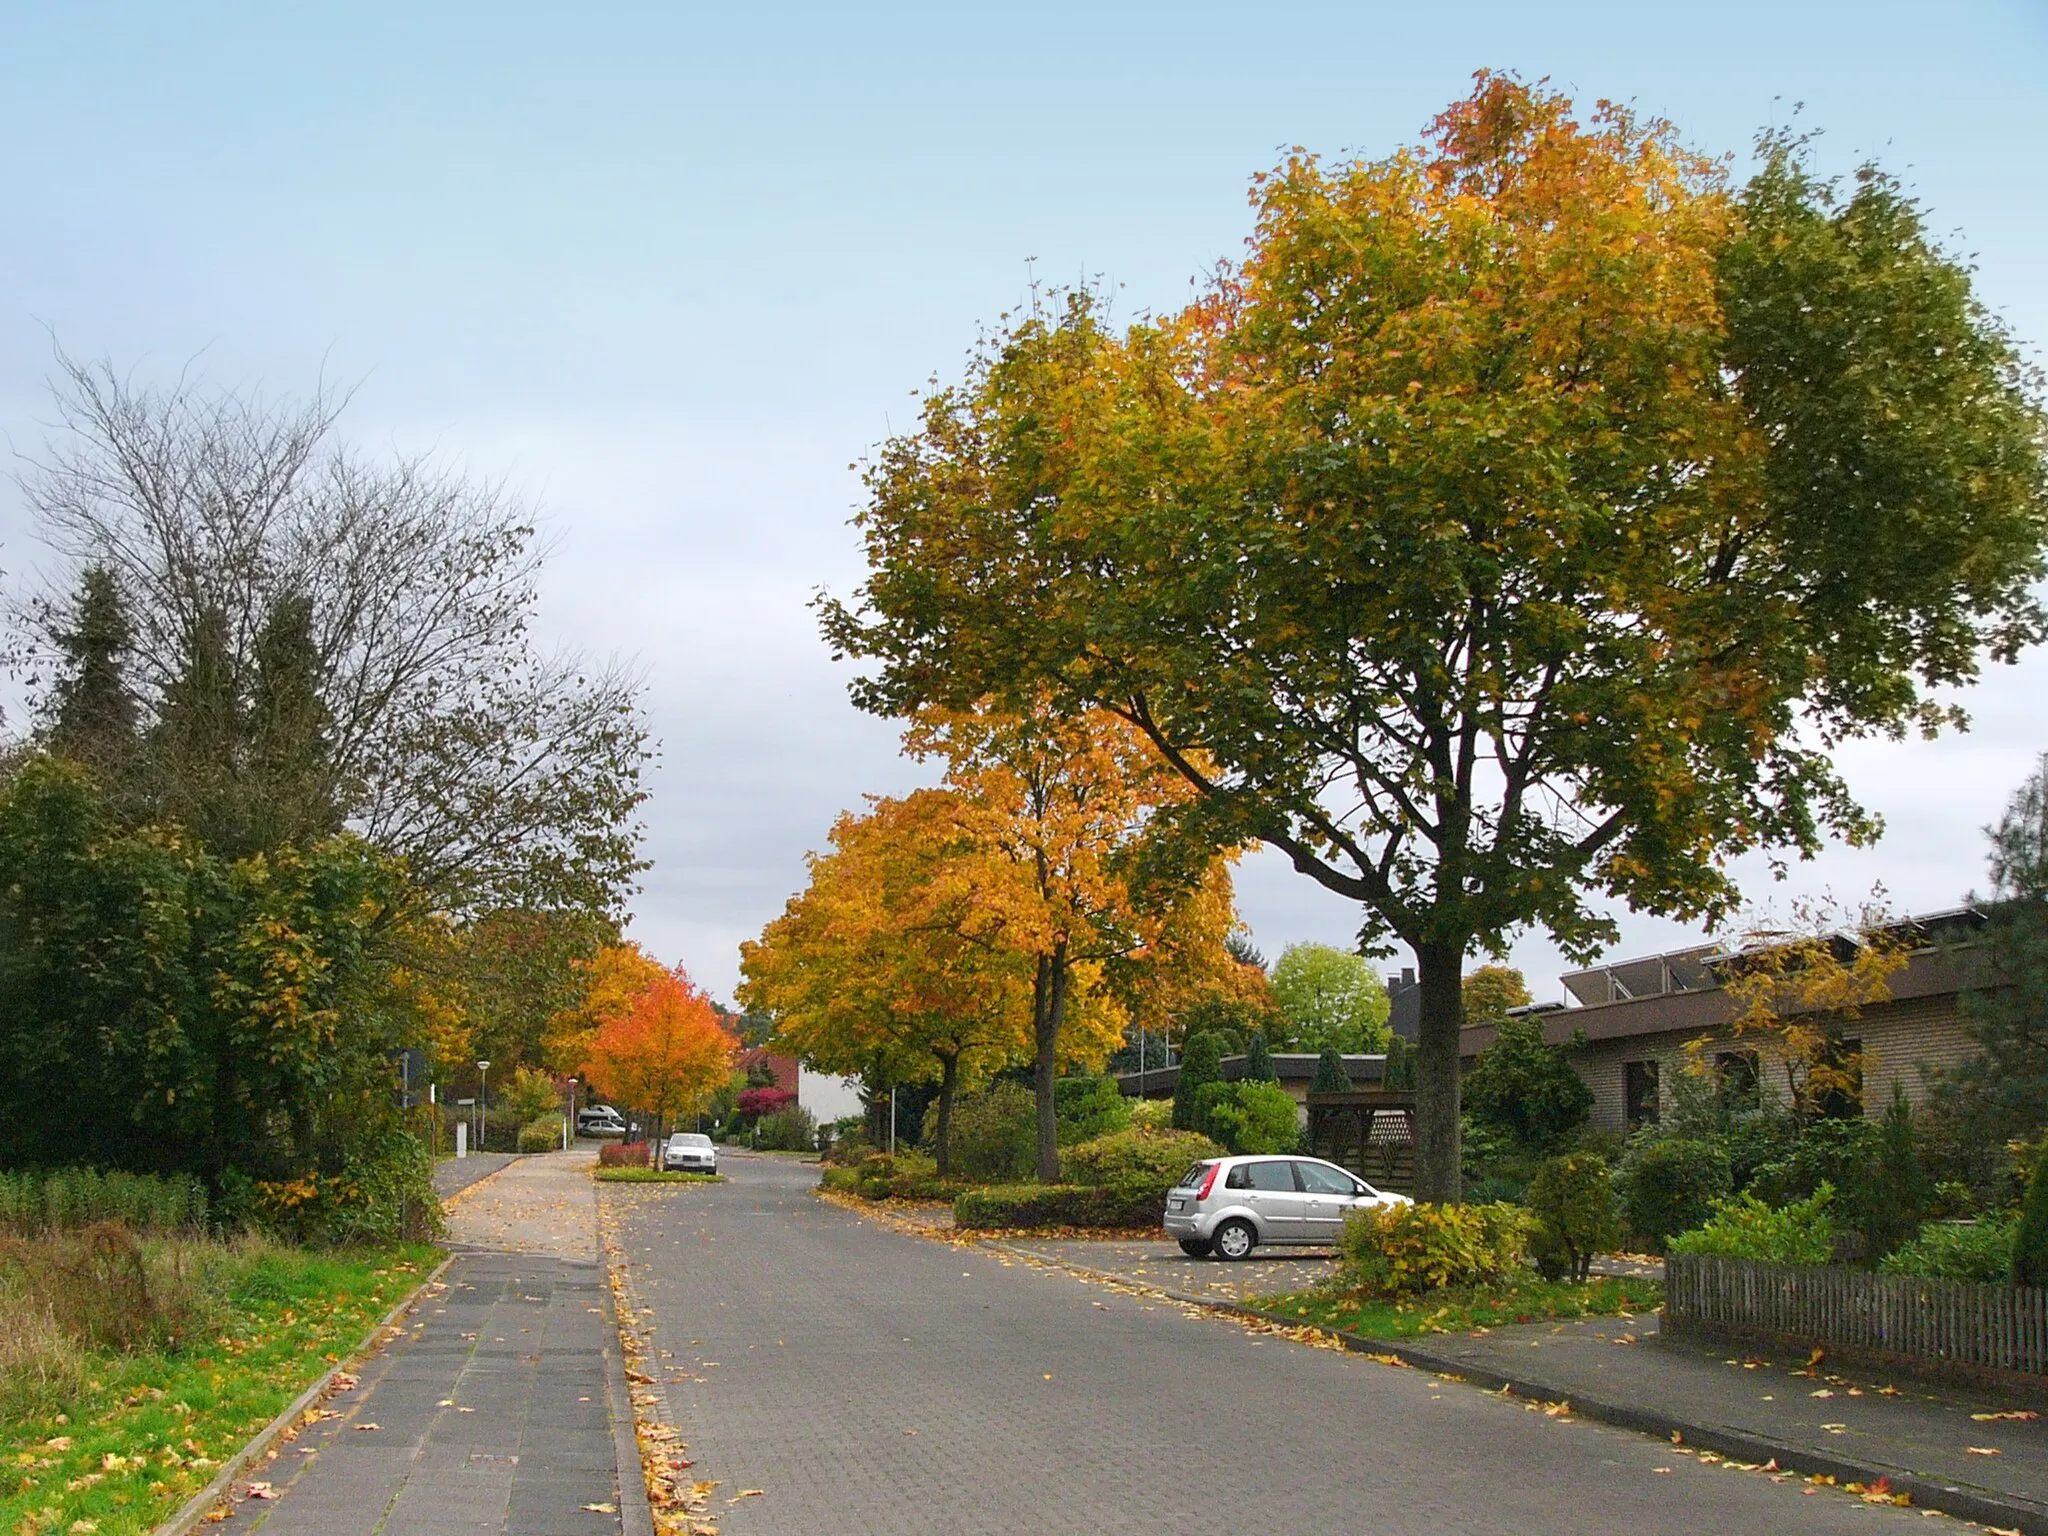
667 271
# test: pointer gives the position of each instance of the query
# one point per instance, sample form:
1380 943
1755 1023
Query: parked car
1227 1206
600 1120
690 1153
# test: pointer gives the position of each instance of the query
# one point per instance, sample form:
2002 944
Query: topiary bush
1330 1077
1668 1186
1978 1251
1134 1157
1058 1205
1201 1063
1401 1250
1577 1215
2030 1234
1258 1059
995 1135
1745 1227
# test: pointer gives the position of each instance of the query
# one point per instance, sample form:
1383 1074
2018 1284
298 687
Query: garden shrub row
1058 1205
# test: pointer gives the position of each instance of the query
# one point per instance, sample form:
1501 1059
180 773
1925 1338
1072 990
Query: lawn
1461 1311
119 1446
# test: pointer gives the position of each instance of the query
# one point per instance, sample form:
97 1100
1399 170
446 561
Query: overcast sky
667 270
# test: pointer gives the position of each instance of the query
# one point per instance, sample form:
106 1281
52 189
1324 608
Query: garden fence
1998 1327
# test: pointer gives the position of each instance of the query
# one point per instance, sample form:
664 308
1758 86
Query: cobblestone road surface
873 1382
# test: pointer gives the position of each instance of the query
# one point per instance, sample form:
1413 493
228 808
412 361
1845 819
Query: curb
201 1504
636 1515
1980 1505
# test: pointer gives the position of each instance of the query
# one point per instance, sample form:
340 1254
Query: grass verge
652 1176
119 1447
1461 1311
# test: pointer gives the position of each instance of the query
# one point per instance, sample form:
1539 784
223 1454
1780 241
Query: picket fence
1999 1327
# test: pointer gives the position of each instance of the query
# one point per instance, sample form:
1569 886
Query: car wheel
1235 1240
1195 1248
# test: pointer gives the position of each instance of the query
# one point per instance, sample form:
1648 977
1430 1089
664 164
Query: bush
1151 1114
994 1136
1258 1059
530 1096
1058 1205
1979 1251
758 1103
2030 1235
1248 1118
1894 1200
542 1135
1572 1199
384 1193
1330 1076
100 1289
1088 1107
1201 1063
1668 1186
1404 1249
790 1129
77 1197
622 1154
1136 1157
1525 1088
1745 1227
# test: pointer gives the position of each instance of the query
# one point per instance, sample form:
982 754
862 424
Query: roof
1288 1066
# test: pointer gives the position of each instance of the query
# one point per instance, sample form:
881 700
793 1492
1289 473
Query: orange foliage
663 1055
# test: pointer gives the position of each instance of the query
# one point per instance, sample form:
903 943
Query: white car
690 1154
600 1120
1227 1206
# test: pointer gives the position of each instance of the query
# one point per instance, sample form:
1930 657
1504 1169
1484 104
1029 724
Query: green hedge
1057 1205
542 1135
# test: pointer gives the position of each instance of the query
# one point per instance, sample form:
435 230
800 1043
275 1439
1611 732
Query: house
1295 1069
1634 1020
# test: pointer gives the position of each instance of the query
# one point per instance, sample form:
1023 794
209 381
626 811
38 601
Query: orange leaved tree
666 1054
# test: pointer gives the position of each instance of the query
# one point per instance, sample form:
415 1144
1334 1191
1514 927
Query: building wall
1900 1040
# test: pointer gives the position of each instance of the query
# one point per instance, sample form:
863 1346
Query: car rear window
1192 1179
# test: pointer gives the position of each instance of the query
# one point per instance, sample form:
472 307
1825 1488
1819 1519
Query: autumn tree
666 1055
603 986
1517 529
1491 992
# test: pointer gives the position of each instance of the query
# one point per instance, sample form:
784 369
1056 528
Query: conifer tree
1258 1060
91 711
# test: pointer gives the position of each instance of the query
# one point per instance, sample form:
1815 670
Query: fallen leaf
2010 1413
747 1493
602 1509
262 1491
1823 1392
359 1428
1983 1450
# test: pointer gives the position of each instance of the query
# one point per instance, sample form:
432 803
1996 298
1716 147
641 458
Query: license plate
1176 1205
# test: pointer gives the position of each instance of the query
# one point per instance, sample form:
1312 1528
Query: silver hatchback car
1227 1206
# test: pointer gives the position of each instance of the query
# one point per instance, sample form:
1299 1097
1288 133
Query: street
868 1381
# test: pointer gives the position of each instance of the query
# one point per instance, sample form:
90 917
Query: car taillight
1208 1182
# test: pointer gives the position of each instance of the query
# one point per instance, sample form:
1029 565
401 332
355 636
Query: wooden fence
1990 1327
1369 1131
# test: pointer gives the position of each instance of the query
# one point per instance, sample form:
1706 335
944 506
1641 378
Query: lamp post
483 1102
569 1125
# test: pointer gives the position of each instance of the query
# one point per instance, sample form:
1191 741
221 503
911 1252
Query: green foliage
1895 1197
1151 1114
1201 1063
793 1129
1087 1107
1403 1249
1976 1251
995 1134
1258 1059
1025 1206
1399 1073
1669 1185
1527 1089
528 1096
542 1135
1330 1076
653 1176
1249 1118
1577 1215
1329 999
2030 1234
79 1197
1745 1227
1151 1158
91 713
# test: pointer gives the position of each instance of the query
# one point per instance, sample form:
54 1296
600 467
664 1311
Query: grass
1461 1311
652 1176
103 1442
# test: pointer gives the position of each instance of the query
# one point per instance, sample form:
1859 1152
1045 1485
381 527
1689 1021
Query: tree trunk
1048 1008
1440 968
949 1078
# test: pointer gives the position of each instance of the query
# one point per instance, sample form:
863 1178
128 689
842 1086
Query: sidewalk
452 1175
502 1411
1747 1409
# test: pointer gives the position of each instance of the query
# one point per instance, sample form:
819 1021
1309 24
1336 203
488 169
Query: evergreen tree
1897 1195
195 748
1258 1061
2030 1237
1524 1088
290 790
1330 1075
1399 1074
91 713
1201 1063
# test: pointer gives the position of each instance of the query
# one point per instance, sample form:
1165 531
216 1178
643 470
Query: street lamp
569 1125
483 1102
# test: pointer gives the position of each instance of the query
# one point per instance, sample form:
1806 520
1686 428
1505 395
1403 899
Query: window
1276 1175
1639 1092
1318 1180
1741 1079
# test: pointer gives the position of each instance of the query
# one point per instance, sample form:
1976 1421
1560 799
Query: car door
1271 1191
1328 1196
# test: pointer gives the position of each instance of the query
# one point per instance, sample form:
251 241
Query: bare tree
503 777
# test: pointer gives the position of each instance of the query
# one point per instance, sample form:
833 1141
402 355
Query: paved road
872 1382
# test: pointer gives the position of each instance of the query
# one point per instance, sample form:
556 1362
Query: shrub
1668 1186
542 1135
1572 1199
1841 1153
1745 1227
1136 1157
383 1193
1399 1073
995 1134
530 1096
1088 1107
1330 1076
1057 1205
757 1103
1524 1087
622 1154
100 1289
1249 1118
1896 1196
1979 1251
1404 1249
2030 1234
1152 1114
790 1129
1258 1059
1201 1063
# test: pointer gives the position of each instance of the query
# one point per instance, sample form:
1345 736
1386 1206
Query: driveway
832 1373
